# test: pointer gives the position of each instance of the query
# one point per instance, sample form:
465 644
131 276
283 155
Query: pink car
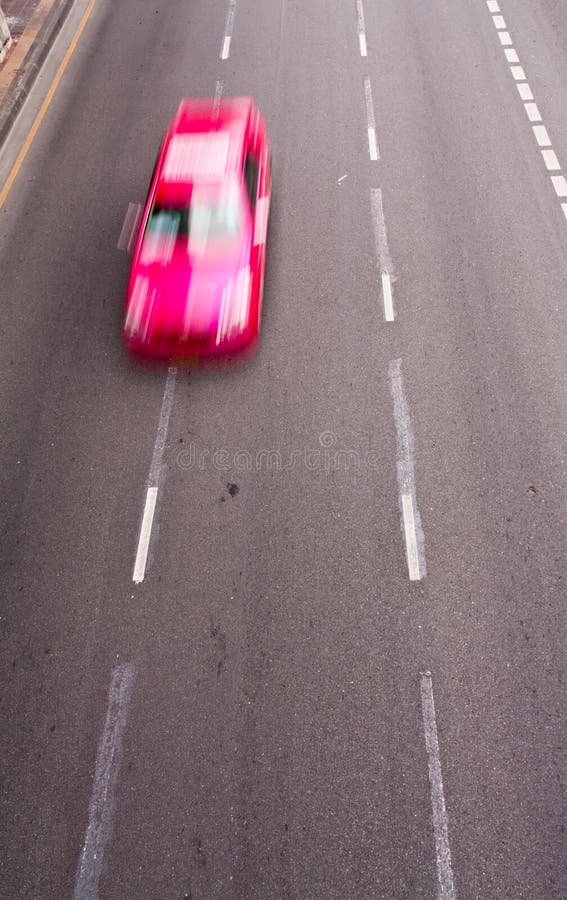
197 274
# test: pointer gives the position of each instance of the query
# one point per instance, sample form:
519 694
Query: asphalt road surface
341 670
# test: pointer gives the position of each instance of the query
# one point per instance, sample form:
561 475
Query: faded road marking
101 806
446 887
154 479
382 252
411 523
372 141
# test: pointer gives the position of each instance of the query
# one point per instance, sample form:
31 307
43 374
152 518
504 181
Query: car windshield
213 219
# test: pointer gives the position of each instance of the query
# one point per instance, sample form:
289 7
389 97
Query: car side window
251 175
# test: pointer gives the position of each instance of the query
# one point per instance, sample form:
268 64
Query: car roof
204 145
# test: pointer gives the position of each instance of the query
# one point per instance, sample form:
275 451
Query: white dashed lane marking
361 28
383 257
101 806
533 113
219 87
372 141
446 886
560 184
154 480
411 523
550 160
541 135
130 227
525 91
225 48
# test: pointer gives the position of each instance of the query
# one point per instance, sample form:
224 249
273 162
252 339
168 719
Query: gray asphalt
274 743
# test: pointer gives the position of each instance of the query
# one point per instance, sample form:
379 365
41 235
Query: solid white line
533 112
411 523
410 536
560 185
525 91
145 535
505 38
564 208
446 889
518 73
372 142
225 51
511 55
362 43
493 6
550 160
387 296
101 806
541 135
499 22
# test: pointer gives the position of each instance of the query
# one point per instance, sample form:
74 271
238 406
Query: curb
21 84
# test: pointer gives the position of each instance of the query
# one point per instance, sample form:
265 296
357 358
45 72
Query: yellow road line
45 105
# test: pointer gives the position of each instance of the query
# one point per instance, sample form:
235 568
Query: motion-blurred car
197 275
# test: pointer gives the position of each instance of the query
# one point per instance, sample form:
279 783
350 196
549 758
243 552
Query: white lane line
219 87
382 252
532 112
549 156
525 91
225 49
541 135
387 297
372 142
145 535
154 479
560 184
101 806
130 226
564 208
550 160
410 536
446 886
411 523
361 28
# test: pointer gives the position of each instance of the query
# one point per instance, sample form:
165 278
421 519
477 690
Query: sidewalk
34 25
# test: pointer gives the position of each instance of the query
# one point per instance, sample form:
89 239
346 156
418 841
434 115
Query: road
343 672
